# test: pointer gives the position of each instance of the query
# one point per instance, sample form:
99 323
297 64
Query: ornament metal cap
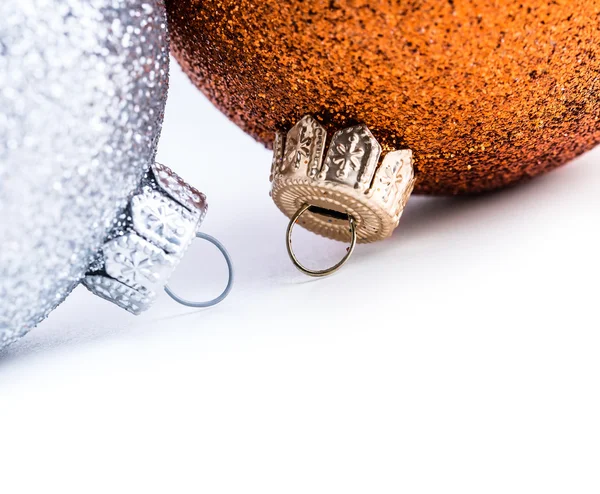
346 193
149 241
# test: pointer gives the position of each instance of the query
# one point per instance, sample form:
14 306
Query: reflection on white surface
463 349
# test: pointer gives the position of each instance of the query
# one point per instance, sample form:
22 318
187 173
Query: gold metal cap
350 183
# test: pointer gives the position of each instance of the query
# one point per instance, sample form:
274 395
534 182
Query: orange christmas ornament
485 93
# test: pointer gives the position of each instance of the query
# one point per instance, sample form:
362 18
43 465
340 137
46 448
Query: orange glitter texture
485 92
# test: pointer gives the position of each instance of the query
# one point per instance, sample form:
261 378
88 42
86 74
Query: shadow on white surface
461 355
432 231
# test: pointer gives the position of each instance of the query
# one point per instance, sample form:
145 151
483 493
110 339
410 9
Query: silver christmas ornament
83 86
148 242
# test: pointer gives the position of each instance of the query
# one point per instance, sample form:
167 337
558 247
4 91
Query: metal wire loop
225 292
323 272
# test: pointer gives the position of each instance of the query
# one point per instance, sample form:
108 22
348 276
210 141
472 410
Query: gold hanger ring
324 272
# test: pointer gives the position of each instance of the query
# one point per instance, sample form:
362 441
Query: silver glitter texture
83 86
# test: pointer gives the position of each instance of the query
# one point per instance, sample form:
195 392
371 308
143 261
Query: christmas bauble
485 92
82 92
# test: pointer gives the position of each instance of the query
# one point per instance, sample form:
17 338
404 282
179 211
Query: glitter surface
485 92
82 92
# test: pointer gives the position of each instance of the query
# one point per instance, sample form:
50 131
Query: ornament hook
225 292
324 272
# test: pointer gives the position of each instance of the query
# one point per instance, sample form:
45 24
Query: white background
462 355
